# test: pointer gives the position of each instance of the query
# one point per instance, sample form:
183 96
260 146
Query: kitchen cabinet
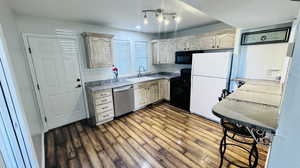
145 93
182 43
164 89
163 51
155 51
225 38
194 43
100 104
99 50
207 41
221 39
187 43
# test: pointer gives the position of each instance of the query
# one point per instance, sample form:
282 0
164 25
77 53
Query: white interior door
56 68
204 95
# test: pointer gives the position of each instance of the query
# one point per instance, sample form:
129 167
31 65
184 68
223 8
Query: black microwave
185 57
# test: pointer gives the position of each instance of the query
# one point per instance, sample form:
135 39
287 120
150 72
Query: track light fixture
161 16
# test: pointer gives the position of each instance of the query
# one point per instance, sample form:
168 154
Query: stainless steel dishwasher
123 100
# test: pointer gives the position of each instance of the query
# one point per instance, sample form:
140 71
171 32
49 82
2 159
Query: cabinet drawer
103 100
105 115
104 107
104 93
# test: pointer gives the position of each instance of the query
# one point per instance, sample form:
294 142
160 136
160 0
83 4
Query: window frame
147 55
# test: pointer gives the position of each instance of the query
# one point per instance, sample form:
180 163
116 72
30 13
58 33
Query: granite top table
255 105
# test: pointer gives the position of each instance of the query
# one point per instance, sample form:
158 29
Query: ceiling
122 14
248 13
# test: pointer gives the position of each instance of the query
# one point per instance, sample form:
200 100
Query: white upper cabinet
207 41
163 51
172 50
225 38
181 43
99 50
155 51
193 43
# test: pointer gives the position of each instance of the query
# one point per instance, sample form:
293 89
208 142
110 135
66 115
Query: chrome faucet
141 67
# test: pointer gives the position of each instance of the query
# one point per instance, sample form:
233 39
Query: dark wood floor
159 136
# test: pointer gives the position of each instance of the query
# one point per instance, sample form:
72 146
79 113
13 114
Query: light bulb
145 19
177 19
166 21
160 18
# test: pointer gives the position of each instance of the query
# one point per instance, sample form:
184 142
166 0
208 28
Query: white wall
257 61
27 24
196 30
261 61
18 71
20 68
285 148
188 32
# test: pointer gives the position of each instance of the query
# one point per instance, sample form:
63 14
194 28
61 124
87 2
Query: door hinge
29 49
38 86
45 119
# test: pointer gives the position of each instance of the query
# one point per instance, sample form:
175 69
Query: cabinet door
172 50
153 93
194 43
181 44
99 52
225 39
167 90
155 52
162 89
163 51
207 41
139 97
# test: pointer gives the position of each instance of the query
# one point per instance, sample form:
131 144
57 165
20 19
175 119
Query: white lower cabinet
150 92
164 89
100 104
145 93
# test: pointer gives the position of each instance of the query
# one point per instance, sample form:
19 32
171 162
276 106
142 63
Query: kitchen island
254 105
248 116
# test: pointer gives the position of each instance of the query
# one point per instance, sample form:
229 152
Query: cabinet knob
213 46
217 46
78 79
78 86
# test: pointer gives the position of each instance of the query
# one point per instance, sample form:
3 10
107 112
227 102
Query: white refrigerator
210 75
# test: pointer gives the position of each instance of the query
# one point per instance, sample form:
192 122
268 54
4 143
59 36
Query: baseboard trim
43 151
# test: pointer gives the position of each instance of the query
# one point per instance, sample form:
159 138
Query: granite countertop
112 83
255 105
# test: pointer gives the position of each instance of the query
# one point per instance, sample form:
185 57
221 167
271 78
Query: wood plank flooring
157 136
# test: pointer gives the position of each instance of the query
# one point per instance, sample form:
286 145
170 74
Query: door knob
78 86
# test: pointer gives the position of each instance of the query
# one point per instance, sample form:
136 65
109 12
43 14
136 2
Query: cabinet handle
217 46
78 86
213 46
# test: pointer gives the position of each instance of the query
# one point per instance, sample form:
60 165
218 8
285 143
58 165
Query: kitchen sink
140 79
